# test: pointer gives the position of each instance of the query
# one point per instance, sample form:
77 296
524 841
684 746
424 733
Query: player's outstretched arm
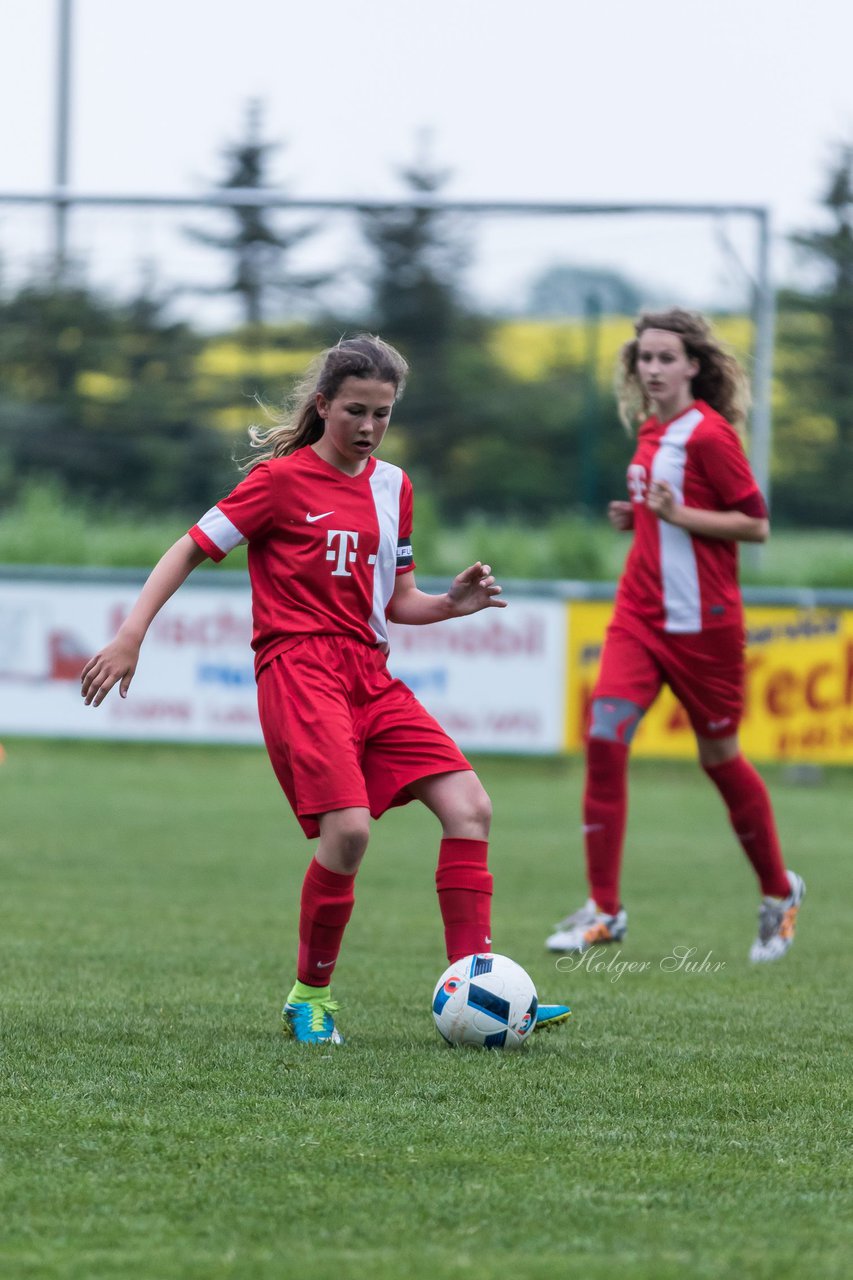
116 662
471 590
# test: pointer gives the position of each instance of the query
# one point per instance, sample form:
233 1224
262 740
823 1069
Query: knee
614 720
350 849
714 752
471 810
344 842
481 807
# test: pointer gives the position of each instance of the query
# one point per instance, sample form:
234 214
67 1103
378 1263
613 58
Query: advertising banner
194 682
514 680
799 687
494 680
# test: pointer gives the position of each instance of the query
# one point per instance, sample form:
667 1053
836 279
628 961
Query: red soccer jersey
673 579
324 547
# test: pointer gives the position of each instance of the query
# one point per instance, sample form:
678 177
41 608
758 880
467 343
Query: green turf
155 1123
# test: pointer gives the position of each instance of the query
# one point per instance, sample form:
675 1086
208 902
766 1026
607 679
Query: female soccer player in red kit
329 531
678 617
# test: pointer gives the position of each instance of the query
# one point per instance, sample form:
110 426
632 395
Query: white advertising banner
194 682
495 681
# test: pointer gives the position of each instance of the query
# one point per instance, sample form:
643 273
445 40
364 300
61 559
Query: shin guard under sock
464 887
751 816
327 902
605 810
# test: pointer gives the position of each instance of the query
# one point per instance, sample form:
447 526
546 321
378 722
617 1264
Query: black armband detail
404 553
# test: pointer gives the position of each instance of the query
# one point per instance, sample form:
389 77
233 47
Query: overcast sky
735 100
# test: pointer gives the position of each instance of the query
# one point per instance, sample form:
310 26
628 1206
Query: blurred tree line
105 396
813 426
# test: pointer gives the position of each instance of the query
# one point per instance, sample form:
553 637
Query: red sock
751 816
327 903
605 811
464 888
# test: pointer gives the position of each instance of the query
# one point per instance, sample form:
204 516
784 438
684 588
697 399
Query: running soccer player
678 616
329 531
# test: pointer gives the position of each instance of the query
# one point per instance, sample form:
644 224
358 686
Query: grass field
155 1123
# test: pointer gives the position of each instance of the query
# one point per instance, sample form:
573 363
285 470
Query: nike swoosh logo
488 941
325 964
311 519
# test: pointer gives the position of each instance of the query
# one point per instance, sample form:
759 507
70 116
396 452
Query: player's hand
661 501
115 664
621 515
474 589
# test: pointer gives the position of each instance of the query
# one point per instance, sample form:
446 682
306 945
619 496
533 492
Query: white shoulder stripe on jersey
222 533
679 571
385 483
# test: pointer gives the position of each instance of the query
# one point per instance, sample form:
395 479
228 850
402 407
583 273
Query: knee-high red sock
327 903
605 811
464 887
751 816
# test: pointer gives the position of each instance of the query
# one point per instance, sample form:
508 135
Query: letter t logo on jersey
341 553
637 482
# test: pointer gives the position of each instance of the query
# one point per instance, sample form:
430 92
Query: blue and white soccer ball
485 1000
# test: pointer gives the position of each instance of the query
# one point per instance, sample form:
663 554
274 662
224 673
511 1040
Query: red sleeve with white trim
244 516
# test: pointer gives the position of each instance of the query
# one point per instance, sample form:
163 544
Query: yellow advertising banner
799 686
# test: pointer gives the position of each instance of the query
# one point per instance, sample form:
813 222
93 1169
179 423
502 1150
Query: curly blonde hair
720 382
365 356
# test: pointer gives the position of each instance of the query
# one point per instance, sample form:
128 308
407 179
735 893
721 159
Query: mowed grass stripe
155 1123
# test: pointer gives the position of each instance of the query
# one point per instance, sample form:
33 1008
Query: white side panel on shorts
386 483
222 533
682 600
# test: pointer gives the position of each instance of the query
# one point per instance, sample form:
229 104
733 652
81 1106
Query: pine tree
415 285
259 249
824 389
419 260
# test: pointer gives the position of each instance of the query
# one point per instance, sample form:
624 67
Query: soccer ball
485 1000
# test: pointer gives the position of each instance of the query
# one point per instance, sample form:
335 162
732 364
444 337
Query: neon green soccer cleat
311 1020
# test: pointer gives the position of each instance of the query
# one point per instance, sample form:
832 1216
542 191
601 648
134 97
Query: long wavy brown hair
720 382
364 356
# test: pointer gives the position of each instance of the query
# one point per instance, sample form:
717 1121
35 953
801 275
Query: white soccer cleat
587 928
777 920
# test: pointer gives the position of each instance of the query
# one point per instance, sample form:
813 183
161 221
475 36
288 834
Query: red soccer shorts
342 733
705 671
